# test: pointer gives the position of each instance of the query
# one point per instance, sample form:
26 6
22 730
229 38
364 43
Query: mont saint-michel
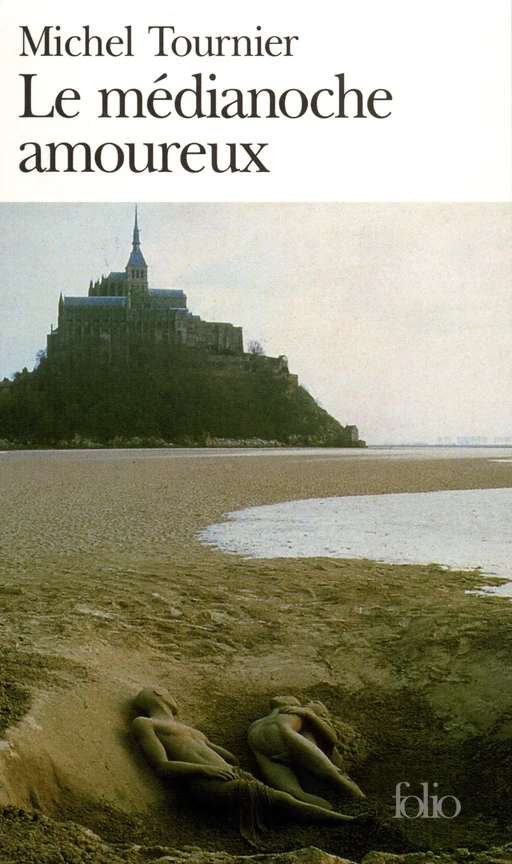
128 363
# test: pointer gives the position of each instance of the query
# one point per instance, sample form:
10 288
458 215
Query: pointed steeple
136 237
136 269
136 258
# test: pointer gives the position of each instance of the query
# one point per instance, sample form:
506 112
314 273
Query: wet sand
105 589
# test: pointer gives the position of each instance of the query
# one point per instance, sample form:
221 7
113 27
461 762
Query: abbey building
122 314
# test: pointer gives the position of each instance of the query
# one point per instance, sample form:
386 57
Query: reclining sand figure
208 773
293 738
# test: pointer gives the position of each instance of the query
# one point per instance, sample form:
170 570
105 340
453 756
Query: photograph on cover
256 477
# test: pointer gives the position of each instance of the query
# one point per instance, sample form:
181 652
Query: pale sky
396 317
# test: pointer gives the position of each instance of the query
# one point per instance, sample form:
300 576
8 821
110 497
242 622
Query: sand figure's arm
154 750
317 725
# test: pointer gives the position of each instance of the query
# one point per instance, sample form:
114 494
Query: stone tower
136 269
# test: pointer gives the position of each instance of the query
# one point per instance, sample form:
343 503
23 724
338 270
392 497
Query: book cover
255 430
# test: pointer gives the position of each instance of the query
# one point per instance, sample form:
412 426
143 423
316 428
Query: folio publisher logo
425 807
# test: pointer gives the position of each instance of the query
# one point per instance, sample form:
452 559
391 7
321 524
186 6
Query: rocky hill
191 398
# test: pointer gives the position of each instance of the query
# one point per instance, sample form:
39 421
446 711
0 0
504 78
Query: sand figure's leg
309 756
350 785
298 811
283 778
339 763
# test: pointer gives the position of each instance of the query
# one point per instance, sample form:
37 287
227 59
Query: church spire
136 238
136 269
136 257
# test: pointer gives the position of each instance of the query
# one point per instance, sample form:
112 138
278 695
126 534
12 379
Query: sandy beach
104 589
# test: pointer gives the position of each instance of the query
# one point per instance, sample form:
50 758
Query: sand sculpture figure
295 738
209 775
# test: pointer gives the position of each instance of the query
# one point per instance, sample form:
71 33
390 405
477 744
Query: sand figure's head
319 708
282 701
152 701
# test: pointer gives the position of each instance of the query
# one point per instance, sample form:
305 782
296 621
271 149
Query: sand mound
75 745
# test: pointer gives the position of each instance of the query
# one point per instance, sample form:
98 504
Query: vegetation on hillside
180 400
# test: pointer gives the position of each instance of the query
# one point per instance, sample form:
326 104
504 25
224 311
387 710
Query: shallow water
462 529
